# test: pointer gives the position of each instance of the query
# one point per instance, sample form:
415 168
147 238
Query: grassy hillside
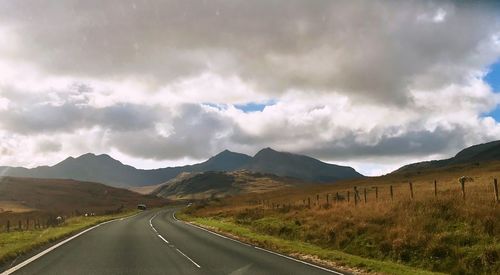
31 201
439 232
476 154
198 186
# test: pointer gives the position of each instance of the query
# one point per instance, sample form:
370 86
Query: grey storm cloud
29 116
416 143
371 50
47 146
195 132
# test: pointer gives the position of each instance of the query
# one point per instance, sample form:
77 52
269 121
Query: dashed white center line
161 237
165 240
197 265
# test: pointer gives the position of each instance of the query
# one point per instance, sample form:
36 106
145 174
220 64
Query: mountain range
105 169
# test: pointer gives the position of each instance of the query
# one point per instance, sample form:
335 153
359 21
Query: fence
375 193
11 222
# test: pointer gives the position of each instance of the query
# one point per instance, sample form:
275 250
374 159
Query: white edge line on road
197 265
268 251
173 216
39 255
299 261
219 235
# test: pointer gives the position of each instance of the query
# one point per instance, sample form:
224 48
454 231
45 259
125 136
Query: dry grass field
36 202
435 231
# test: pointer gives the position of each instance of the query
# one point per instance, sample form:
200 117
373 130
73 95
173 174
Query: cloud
381 81
373 50
51 113
46 146
194 132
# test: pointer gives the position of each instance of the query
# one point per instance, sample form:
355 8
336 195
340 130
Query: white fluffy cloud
375 84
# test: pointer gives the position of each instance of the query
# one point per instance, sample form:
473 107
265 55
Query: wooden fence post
317 199
355 195
348 196
376 193
392 193
308 202
411 190
495 186
364 193
435 189
462 185
8 225
20 226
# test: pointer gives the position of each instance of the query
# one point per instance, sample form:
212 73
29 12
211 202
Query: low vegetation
441 232
16 243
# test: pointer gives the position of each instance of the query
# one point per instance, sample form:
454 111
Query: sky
371 84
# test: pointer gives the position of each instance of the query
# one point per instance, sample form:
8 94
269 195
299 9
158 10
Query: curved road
154 242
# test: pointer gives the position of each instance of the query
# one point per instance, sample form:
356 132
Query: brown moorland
436 230
38 200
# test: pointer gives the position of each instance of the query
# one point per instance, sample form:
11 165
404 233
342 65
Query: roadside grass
17 243
438 232
303 250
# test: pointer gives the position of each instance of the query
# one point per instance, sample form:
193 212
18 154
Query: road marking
197 265
39 255
299 261
173 216
265 250
161 237
151 222
172 246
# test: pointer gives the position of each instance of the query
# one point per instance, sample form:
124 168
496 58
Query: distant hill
298 166
220 184
66 196
475 154
105 169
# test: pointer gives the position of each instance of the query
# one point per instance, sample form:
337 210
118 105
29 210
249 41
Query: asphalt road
154 242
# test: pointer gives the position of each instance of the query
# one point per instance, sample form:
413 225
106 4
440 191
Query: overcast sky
372 84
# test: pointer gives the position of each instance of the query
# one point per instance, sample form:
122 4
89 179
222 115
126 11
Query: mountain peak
94 156
225 152
90 159
299 166
224 161
267 150
87 155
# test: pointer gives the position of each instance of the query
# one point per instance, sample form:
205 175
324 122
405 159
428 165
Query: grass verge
303 250
18 243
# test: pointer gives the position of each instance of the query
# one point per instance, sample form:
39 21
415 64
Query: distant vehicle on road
141 206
